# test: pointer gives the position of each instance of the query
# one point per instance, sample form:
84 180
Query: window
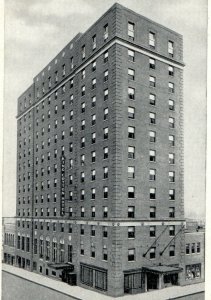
152 194
93 83
105 192
131 55
105 253
63 70
171 48
93 101
93 66
152 63
83 107
93 119
131 112
152 99
93 137
83 51
131 93
131 132
82 142
94 42
105 211
171 176
106 75
172 230
105 133
171 104
187 247
92 230
105 172
152 136
171 140
171 158
198 247
171 122
63 89
70 212
171 250
172 194
82 229
193 248
83 89
82 247
105 152
131 232
105 113
71 83
93 156
105 94
152 212
82 211
83 74
71 63
171 212
152 155
131 74
152 39
131 212
105 56
92 250
105 32
152 252
171 87
131 192
152 118
193 271
82 194
152 81
131 152
171 70
93 211
93 175
131 254
152 231
82 124
152 174
131 172
131 30
93 193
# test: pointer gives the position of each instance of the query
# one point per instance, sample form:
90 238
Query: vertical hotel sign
62 209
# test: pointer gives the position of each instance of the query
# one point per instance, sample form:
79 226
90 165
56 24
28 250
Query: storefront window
193 271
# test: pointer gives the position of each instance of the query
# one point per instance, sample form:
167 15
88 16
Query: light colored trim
110 44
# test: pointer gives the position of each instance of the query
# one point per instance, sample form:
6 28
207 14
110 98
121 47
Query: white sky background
35 31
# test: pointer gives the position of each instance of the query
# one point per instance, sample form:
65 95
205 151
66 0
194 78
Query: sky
35 31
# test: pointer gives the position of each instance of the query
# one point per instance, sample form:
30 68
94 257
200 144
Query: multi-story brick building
100 159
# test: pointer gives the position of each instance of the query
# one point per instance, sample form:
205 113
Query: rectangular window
171 212
83 74
171 176
93 156
105 211
106 76
152 231
105 133
171 140
152 81
131 132
152 253
151 63
171 104
92 230
83 51
131 211
152 39
198 247
105 231
171 48
172 194
105 151
131 152
131 172
131 93
105 172
187 248
93 66
171 70
152 118
171 87
152 99
131 74
93 211
171 122
93 193
172 230
131 192
171 158
105 56
105 117
193 271
131 55
152 212
105 192
83 89
93 83
152 155
94 42
152 174
105 32
105 94
131 112
171 250
131 30
193 248
131 232
93 140
131 254
82 211
152 136
152 194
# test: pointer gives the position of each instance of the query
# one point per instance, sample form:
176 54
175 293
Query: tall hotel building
100 159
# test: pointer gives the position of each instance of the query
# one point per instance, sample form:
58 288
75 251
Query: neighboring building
8 240
100 159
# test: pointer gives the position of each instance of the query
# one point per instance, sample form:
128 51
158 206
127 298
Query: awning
162 269
61 266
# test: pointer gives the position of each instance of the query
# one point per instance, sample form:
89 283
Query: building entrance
152 281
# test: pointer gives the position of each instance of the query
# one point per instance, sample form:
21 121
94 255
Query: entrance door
152 281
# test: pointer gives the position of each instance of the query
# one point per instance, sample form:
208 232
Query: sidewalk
84 294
